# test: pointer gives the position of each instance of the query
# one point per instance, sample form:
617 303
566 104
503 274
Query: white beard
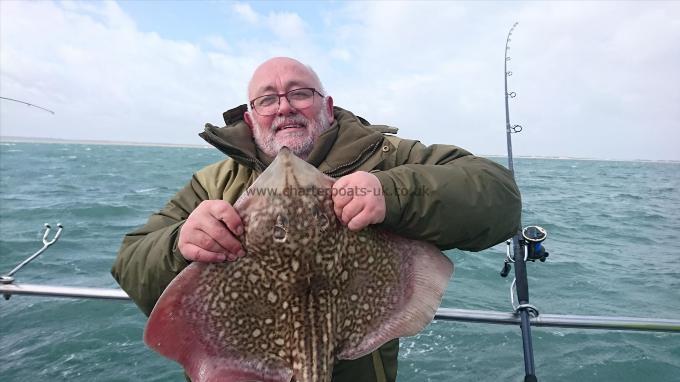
300 143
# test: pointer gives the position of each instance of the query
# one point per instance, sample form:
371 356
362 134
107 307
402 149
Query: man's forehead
280 76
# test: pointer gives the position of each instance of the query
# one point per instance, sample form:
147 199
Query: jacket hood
348 141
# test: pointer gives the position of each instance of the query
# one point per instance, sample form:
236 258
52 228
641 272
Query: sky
592 79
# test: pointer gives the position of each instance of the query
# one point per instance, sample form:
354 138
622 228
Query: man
441 194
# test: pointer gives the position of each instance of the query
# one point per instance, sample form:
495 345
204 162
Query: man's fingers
209 234
204 241
351 210
340 199
339 203
194 253
222 236
360 221
227 214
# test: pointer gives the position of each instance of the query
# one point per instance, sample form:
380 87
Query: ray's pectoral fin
414 280
178 329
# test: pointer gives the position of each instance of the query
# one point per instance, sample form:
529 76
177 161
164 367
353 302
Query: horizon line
18 139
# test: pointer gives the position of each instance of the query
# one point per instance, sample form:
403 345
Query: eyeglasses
268 104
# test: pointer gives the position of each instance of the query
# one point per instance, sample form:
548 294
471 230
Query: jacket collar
344 146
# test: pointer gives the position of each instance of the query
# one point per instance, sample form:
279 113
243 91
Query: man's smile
289 126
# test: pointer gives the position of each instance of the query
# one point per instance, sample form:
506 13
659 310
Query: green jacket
441 194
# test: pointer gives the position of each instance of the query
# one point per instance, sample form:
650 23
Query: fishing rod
27 104
526 245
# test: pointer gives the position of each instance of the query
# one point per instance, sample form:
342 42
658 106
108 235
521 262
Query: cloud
599 75
246 12
340 54
107 80
285 28
287 25
593 79
218 43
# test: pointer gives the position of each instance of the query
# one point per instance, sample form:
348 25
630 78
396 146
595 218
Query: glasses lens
298 99
267 104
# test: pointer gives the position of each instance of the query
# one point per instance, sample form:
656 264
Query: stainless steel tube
444 314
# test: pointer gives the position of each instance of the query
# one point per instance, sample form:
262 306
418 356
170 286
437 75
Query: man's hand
358 200
209 233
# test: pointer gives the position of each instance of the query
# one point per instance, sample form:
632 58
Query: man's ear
329 109
248 119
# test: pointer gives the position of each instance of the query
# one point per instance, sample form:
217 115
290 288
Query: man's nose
284 107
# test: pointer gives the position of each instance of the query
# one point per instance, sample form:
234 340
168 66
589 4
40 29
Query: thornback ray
309 291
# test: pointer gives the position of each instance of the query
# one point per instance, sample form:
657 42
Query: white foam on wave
146 190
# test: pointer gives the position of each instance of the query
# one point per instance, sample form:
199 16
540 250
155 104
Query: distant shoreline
12 139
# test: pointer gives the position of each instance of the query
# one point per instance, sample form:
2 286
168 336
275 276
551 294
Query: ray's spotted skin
309 291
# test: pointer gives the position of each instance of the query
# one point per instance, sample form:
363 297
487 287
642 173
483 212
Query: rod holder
47 242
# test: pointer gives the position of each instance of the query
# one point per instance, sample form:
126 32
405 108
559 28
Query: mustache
294 119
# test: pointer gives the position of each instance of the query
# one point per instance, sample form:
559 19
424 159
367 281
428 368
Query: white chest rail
8 288
444 314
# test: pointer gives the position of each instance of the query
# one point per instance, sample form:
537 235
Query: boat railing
443 314
9 288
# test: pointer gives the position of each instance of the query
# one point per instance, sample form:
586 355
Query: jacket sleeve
148 258
449 197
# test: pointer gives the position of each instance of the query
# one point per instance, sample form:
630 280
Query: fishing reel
530 244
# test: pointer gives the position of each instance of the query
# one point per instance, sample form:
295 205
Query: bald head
280 74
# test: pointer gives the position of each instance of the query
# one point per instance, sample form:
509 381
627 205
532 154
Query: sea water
613 241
